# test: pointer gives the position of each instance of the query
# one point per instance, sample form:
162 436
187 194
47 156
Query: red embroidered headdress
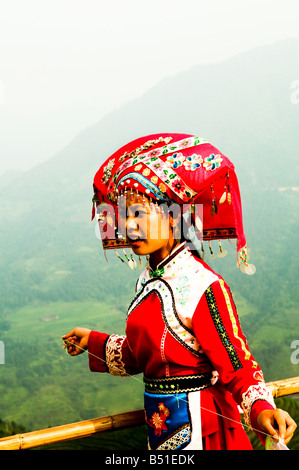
174 168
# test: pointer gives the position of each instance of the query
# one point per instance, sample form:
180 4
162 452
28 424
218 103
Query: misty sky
66 63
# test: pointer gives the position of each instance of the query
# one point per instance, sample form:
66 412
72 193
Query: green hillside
53 273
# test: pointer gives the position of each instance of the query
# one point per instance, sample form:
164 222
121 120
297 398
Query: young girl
162 196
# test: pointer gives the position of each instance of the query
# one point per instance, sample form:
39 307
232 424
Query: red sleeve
218 330
96 351
111 353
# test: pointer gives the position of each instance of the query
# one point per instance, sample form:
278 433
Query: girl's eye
139 213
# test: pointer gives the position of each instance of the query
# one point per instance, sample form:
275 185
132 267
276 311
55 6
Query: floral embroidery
212 162
134 157
176 160
259 376
157 165
178 185
146 172
108 171
193 162
138 167
144 147
163 409
253 393
183 290
157 420
184 143
114 359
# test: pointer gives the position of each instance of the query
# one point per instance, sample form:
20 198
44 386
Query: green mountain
53 273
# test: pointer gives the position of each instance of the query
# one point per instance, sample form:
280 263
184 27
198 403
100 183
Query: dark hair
184 228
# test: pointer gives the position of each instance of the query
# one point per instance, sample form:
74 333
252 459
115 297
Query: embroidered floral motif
108 171
253 393
163 409
178 185
145 147
185 143
114 360
168 148
259 376
212 162
157 420
176 160
193 162
183 290
146 172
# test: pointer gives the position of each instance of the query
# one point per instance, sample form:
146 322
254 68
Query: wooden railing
107 423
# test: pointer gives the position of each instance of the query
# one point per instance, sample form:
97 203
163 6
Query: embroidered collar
160 270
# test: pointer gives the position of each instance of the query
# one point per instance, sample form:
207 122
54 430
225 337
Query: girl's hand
76 341
277 423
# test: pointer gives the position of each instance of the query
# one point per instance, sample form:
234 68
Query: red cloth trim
96 347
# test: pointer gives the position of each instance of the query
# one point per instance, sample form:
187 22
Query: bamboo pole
281 388
72 431
89 427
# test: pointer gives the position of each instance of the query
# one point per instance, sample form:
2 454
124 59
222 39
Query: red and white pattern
114 358
252 394
169 335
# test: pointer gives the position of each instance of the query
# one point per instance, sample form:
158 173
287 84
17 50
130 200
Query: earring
211 251
222 253
119 257
131 262
242 262
214 206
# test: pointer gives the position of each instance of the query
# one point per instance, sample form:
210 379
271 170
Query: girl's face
148 230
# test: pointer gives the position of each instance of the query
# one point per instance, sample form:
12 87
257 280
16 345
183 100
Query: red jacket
185 322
